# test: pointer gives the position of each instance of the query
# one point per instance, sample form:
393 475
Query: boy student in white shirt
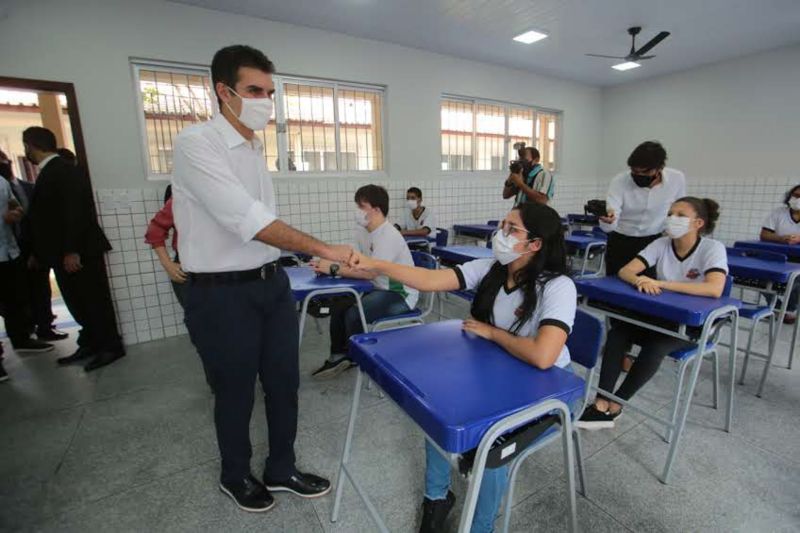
638 200
782 225
524 301
685 262
533 184
375 237
418 219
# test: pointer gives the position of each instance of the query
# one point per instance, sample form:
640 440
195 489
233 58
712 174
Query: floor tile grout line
69 445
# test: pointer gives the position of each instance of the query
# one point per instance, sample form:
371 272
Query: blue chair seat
754 312
689 351
414 313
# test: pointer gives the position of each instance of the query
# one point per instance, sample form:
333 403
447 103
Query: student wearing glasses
638 200
524 301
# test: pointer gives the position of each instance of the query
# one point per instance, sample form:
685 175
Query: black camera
520 164
596 207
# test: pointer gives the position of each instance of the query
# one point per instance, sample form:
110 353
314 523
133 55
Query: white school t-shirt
426 220
707 256
555 306
386 243
781 223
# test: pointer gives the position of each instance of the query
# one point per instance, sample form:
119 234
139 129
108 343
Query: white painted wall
89 42
737 119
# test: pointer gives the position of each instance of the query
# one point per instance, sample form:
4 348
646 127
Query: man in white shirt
375 237
418 219
240 312
638 202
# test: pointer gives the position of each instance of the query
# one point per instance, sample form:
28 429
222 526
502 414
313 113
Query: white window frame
507 106
139 64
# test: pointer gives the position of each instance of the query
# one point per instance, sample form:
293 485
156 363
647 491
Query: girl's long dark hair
542 222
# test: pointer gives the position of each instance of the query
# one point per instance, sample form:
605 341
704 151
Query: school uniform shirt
555 305
426 220
222 197
781 223
707 256
539 180
387 244
642 211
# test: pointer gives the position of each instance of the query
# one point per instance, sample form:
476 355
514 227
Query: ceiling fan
637 55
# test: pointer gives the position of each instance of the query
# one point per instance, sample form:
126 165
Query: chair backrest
586 339
424 260
441 236
764 255
493 223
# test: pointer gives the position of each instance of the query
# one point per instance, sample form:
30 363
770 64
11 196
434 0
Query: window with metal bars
480 134
317 126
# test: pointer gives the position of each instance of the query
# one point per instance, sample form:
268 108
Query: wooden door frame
68 89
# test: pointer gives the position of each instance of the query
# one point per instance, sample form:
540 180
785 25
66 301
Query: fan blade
654 41
609 57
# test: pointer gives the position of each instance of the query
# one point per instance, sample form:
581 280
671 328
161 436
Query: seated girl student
418 219
783 226
375 237
685 262
524 302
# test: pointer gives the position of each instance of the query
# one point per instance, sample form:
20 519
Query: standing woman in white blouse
638 200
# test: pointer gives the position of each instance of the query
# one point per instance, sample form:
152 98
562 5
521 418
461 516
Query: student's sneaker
330 368
32 346
434 513
593 419
3 373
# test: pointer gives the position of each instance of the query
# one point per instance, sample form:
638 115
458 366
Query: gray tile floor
132 448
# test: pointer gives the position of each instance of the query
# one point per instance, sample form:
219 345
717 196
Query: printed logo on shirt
693 274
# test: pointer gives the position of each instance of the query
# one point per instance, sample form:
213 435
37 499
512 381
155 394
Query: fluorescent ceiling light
626 66
530 37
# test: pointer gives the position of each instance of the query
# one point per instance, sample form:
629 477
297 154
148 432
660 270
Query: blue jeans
346 322
493 485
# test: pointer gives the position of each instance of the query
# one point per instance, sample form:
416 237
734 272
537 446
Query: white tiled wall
147 308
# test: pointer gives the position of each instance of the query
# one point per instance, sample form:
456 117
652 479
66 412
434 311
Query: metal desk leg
784 304
676 437
732 350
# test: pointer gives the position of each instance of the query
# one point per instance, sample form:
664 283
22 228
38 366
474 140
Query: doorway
53 105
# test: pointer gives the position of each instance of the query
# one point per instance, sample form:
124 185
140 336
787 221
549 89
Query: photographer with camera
528 180
637 204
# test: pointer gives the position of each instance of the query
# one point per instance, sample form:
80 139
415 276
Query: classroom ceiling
703 31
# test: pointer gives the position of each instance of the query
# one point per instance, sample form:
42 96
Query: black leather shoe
79 355
303 485
434 513
249 495
102 359
32 346
51 335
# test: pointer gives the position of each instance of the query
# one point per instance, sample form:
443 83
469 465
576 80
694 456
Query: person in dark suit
65 236
37 280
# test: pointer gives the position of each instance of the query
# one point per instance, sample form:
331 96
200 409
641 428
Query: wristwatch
333 270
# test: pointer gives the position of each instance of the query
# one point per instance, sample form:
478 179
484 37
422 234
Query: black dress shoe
249 495
51 335
102 359
79 355
434 513
303 485
32 346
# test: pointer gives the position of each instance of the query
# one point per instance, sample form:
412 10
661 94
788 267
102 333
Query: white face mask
412 204
794 203
503 248
256 112
677 226
361 218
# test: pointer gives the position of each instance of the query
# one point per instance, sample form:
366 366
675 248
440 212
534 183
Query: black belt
232 278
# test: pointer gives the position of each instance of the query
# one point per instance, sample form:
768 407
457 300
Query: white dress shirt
642 211
223 196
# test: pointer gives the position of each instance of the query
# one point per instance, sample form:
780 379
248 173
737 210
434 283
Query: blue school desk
305 285
576 220
584 245
622 301
792 251
478 231
463 392
779 278
459 254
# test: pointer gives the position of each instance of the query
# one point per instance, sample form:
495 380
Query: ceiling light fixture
626 66
530 37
